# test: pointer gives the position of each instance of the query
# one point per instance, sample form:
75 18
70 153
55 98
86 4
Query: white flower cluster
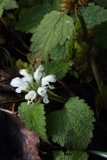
24 83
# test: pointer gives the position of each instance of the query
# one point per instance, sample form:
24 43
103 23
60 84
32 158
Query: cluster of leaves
59 37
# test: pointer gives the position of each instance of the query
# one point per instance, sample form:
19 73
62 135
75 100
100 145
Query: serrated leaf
53 29
103 3
10 4
7 4
60 51
71 126
58 68
32 18
34 119
77 155
94 15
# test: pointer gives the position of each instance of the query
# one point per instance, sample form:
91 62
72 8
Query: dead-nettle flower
27 77
22 84
30 96
43 92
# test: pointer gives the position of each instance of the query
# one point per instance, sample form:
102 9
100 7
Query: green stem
56 97
82 22
96 74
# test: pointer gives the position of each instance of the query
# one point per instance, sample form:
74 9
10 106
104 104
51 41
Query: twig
7 111
66 88
12 31
18 50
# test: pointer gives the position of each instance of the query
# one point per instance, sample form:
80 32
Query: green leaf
71 126
20 64
101 36
10 4
60 51
1 7
33 117
58 68
32 18
102 3
56 4
94 15
53 29
77 155
7 4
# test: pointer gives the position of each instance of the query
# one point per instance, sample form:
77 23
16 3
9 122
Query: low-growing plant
66 37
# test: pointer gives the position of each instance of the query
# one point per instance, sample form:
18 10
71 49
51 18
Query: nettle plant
66 36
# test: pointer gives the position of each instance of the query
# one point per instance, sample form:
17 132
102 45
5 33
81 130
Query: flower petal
47 79
42 91
27 77
30 96
45 99
18 90
38 73
18 82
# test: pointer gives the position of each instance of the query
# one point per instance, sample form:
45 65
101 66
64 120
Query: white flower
38 74
27 77
45 99
47 79
43 92
19 83
30 96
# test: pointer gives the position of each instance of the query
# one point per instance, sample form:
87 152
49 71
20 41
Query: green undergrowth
66 38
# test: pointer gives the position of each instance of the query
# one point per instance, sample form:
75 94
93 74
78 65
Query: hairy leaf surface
93 15
77 155
32 18
53 30
71 126
60 51
34 119
58 68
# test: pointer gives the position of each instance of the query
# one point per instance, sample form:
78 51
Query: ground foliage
66 37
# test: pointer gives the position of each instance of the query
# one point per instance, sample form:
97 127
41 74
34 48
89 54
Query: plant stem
56 97
82 22
96 74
